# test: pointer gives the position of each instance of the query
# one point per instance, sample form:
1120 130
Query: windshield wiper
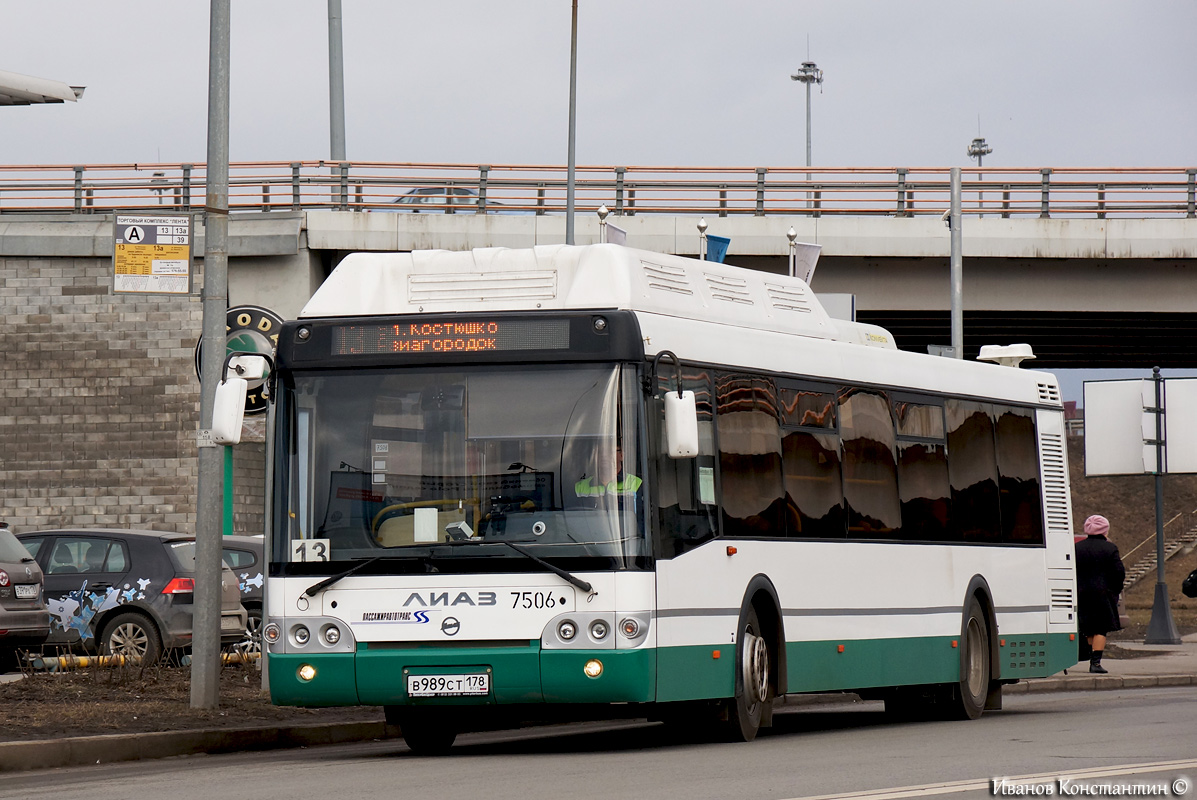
316 588
569 577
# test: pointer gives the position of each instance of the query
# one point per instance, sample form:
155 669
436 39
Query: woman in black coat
1099 577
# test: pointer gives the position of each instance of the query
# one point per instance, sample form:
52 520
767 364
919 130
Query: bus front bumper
378 676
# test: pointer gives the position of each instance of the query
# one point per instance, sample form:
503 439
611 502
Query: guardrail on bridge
538 189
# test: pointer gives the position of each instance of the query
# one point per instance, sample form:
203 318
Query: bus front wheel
754 690
427 731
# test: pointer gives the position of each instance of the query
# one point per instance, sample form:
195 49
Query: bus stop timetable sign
151 254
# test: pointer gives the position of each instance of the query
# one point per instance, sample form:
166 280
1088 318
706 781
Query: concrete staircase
1146 565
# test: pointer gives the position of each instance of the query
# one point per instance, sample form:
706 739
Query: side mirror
681 425
229 411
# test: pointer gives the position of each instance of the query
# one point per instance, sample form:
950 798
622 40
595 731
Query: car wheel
252 643
133 636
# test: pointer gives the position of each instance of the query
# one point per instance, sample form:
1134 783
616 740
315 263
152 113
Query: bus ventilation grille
1062 598
667 278
482 286
788 298
733 290
1049 394
1055 488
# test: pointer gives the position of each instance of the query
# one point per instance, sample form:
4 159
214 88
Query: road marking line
951 787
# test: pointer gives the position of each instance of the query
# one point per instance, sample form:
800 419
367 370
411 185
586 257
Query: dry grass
131 699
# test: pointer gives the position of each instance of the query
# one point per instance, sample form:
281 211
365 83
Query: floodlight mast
808 74
978 149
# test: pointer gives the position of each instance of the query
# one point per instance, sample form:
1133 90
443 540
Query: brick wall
99 403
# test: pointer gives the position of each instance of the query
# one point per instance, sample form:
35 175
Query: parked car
244 555
24 618
126 592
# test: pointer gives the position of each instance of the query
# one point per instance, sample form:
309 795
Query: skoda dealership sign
249 329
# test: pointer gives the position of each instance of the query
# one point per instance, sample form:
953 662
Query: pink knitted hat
1097 525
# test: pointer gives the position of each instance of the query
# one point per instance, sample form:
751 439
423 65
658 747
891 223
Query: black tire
132 635
427 732
969 695
754 689
8 660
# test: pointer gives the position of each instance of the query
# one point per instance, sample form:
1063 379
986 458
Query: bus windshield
458 462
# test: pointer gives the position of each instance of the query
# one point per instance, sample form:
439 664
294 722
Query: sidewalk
1176 665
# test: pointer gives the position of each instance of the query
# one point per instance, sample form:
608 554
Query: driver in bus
609 478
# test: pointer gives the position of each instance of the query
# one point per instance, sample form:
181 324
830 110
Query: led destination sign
458 336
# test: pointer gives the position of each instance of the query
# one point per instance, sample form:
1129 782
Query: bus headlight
272 633
301 635
599 630
567 630
306 672
593 668
629 628
332 634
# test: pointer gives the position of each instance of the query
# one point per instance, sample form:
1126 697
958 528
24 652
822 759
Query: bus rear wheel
427 731
754 689
969 695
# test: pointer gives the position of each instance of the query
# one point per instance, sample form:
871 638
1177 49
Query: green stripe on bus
668 674
696 672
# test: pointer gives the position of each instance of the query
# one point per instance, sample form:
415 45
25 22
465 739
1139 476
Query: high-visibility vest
587 487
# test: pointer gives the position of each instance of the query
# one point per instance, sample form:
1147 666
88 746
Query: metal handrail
1132 192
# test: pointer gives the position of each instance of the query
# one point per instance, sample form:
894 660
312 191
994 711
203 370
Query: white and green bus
579 481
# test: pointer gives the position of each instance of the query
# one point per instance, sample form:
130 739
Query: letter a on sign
133 234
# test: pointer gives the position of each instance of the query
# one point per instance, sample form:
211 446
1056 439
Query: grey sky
1098 83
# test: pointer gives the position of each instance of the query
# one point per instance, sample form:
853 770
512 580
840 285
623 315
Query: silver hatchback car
24 617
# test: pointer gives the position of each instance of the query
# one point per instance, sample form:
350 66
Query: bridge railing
539 189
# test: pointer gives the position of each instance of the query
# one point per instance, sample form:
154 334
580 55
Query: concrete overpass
1084 292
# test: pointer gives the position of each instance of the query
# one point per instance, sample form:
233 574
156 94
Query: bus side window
753 495
811 458
923 485
870 465
686 498
972 466
1018 470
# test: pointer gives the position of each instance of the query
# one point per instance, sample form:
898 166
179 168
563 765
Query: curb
1089 683
116 747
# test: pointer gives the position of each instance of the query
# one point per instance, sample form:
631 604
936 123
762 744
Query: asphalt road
1141 736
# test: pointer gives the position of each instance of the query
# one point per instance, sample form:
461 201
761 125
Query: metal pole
957 265
205 624
1160 629
792 235
573 92
808 128
336 83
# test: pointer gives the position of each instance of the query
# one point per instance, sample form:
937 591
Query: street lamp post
573 92
336 83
